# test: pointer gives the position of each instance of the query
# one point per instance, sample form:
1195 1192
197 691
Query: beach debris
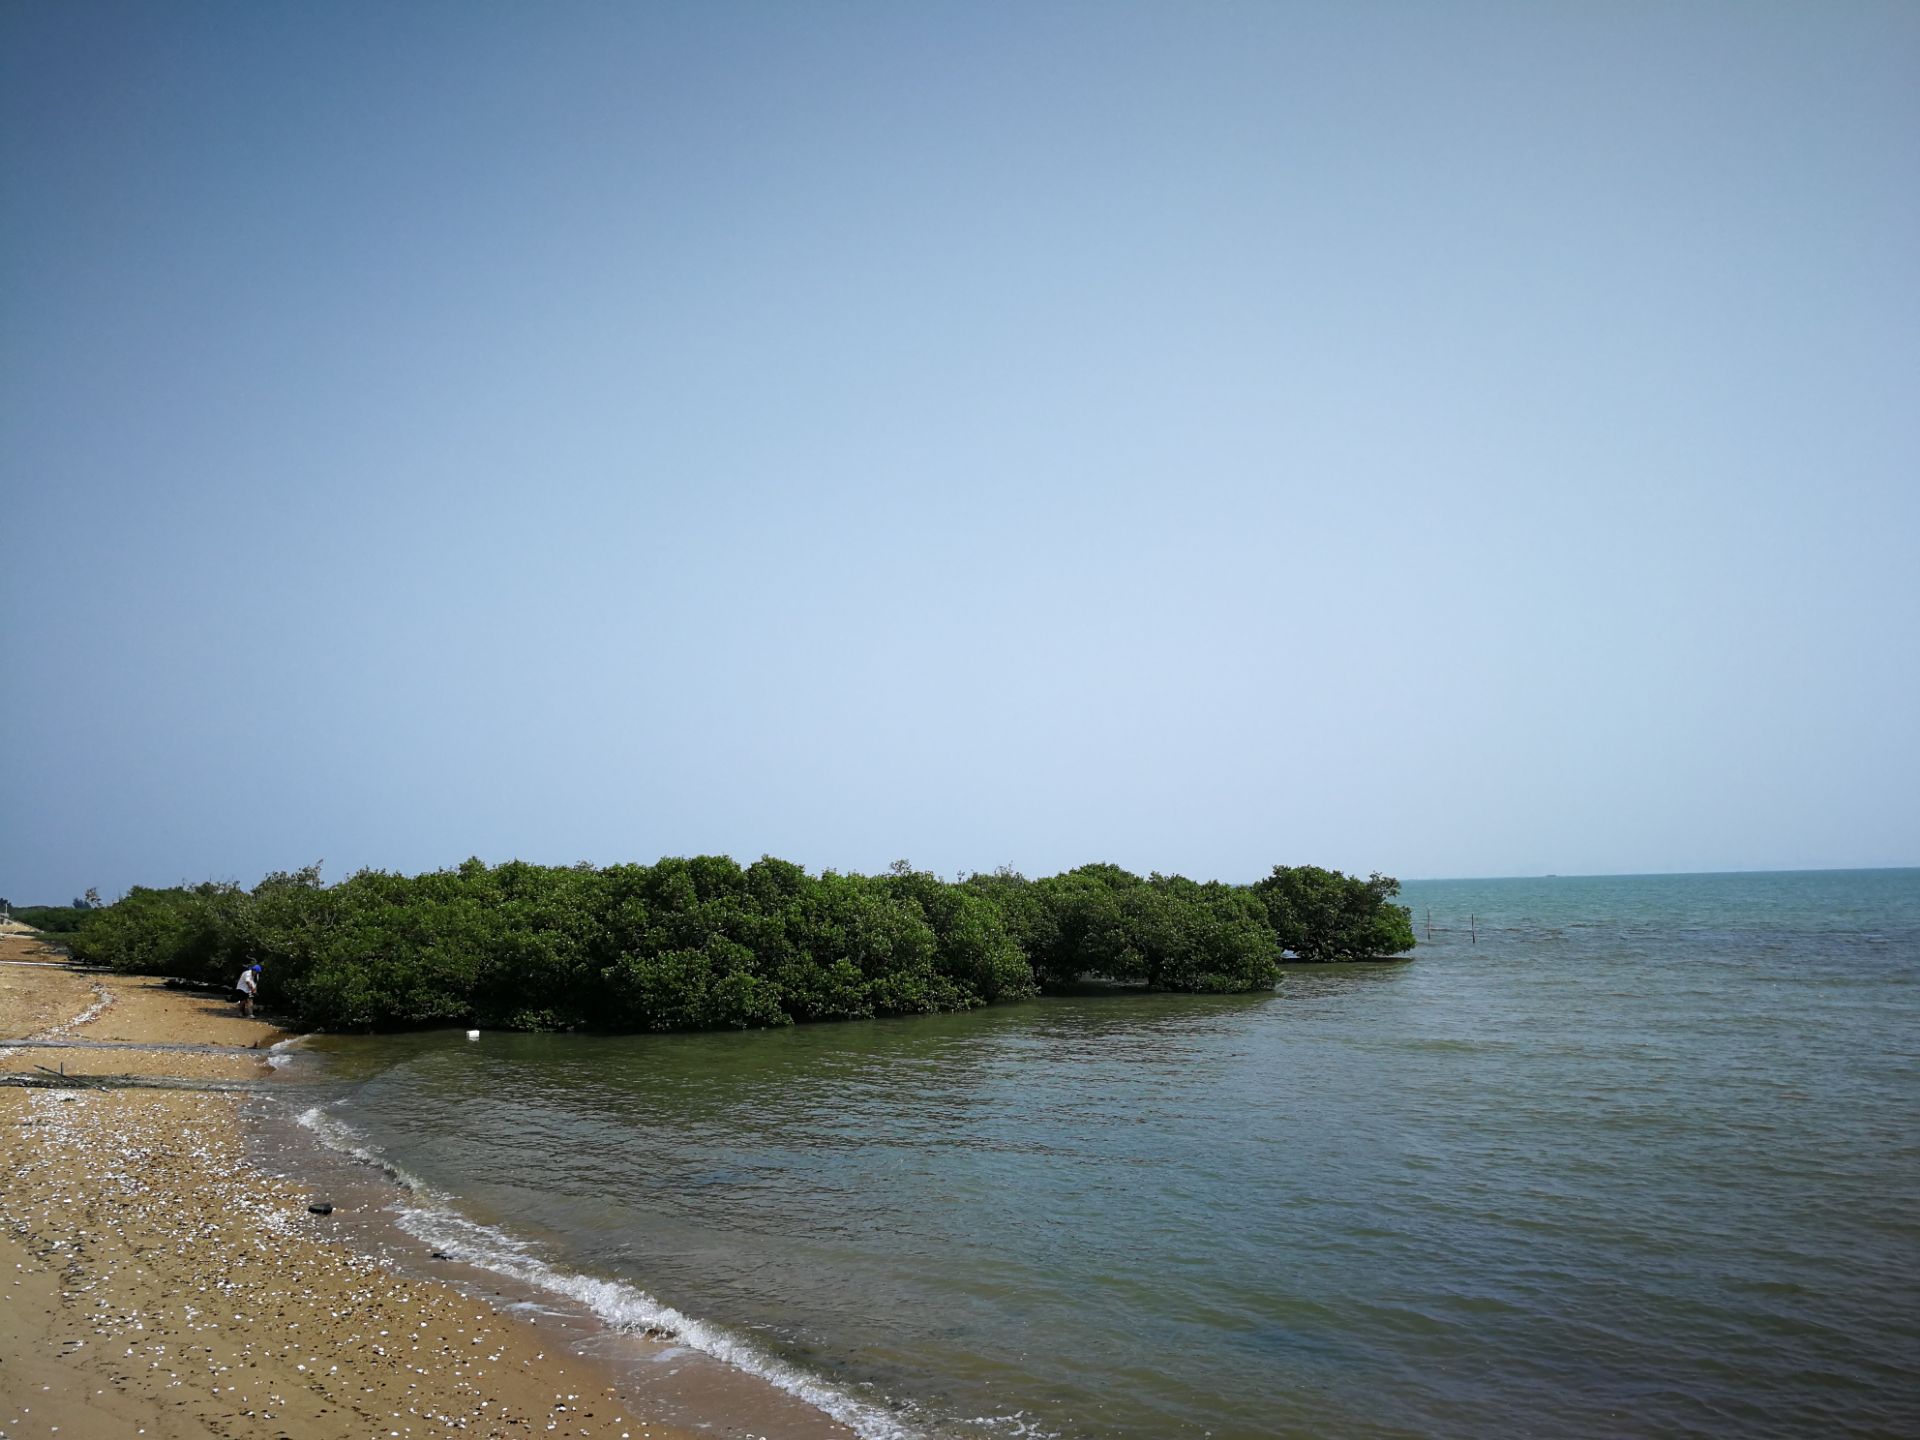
54 1079
184 1273
473 1034
441 1255
320 1207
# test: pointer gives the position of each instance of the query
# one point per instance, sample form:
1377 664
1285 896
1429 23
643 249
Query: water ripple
1640 1162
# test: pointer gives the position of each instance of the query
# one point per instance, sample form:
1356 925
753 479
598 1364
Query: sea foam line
277 1055
434 1220
337 1135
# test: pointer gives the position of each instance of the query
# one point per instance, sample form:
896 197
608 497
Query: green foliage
1167 932
199 932
52 919
1325 915
701 942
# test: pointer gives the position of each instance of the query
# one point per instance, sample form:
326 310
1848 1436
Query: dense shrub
704 943
1324 915
51 919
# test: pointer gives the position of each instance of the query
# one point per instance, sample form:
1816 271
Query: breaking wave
436 1221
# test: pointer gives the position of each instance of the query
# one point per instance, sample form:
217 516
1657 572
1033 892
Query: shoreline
158 1281
684 1370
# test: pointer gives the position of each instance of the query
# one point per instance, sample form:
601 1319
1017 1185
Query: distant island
706 943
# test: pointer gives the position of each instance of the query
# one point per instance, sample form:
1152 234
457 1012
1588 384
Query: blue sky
1466 439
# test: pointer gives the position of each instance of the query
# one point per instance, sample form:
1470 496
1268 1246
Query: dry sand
152 1283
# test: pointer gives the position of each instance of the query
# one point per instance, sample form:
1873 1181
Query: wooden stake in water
1473 928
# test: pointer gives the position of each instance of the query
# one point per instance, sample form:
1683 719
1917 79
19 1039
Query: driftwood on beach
46 1079
179 1047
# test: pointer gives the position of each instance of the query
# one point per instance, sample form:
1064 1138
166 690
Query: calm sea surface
1642 1159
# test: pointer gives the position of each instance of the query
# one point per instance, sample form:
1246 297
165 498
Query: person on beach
245 987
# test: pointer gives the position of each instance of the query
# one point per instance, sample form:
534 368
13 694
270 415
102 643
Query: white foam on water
338 1135
432 1219
277 1056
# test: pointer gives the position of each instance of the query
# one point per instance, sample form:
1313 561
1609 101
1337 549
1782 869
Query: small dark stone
441 1255
321 1209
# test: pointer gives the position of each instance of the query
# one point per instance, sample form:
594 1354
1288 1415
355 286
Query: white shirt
246 982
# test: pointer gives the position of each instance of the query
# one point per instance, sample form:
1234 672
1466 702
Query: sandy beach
157 1284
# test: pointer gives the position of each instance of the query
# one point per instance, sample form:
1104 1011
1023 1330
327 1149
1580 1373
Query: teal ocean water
1612 1156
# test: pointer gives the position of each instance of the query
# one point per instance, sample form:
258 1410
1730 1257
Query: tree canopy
703 942
1324 915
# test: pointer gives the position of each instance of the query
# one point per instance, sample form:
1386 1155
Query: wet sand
154 1283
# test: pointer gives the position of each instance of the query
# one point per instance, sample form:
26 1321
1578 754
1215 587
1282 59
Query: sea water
1610 1156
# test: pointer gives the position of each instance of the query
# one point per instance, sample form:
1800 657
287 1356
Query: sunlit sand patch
153 1282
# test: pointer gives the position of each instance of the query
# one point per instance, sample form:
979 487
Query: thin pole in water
1473 928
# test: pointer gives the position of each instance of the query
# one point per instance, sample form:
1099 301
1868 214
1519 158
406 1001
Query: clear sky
1445 439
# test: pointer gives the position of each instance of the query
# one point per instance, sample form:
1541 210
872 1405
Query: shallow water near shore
1621 1156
